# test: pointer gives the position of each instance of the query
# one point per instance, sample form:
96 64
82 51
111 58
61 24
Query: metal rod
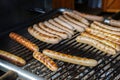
23 74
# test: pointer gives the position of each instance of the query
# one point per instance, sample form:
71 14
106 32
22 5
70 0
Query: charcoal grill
108 67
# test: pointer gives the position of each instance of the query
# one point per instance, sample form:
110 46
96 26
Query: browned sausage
43 37
77 28
106 42
106 26
61 34
25 42
61 27
64 24
12 58
77 17
104 35
39 29
96 44
75 22
45 60
89 16
70 58
105 30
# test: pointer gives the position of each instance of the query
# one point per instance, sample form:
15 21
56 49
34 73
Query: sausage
39 29
52 26
106 26
45 60
12 58
114 23
77 17
25 42
55 28
75 22
96 44
43 37
70 58
104 30
64 24
61 34
89 16
106 42
105 35
78 28
61 27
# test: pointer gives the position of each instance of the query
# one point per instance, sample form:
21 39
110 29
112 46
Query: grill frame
67 71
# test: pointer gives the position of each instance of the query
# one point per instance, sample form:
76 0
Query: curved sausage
70 58
25 42
75 22
105 35
55 27
60 26
96 44
45 60
64 24
61 34
89 16
43 37
106 26
39 29
78 28
77 17
104 30
12 58
106 42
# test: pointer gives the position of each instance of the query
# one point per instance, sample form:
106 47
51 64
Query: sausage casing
97 44
106 26
89 16
105 30
77 28
25 42
105 35
43 37
106 42
70 58
45 60
77 17
12 58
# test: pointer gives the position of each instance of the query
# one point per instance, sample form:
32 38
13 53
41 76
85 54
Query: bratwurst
25 42
70 58
12 58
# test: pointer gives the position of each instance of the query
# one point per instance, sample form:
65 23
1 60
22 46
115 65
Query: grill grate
107 68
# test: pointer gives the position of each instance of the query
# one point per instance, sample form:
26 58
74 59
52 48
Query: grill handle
10 75
23 74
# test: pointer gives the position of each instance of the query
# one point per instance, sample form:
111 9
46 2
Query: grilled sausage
104 30
78 28
70 58
12 58
106 42
61 34
64 24
25 42
39 29
45 60
55 28
89 16
61 27
43 37
75 22
104 35
96 44
106 26
77 17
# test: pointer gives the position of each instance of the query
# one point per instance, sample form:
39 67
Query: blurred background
15 12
